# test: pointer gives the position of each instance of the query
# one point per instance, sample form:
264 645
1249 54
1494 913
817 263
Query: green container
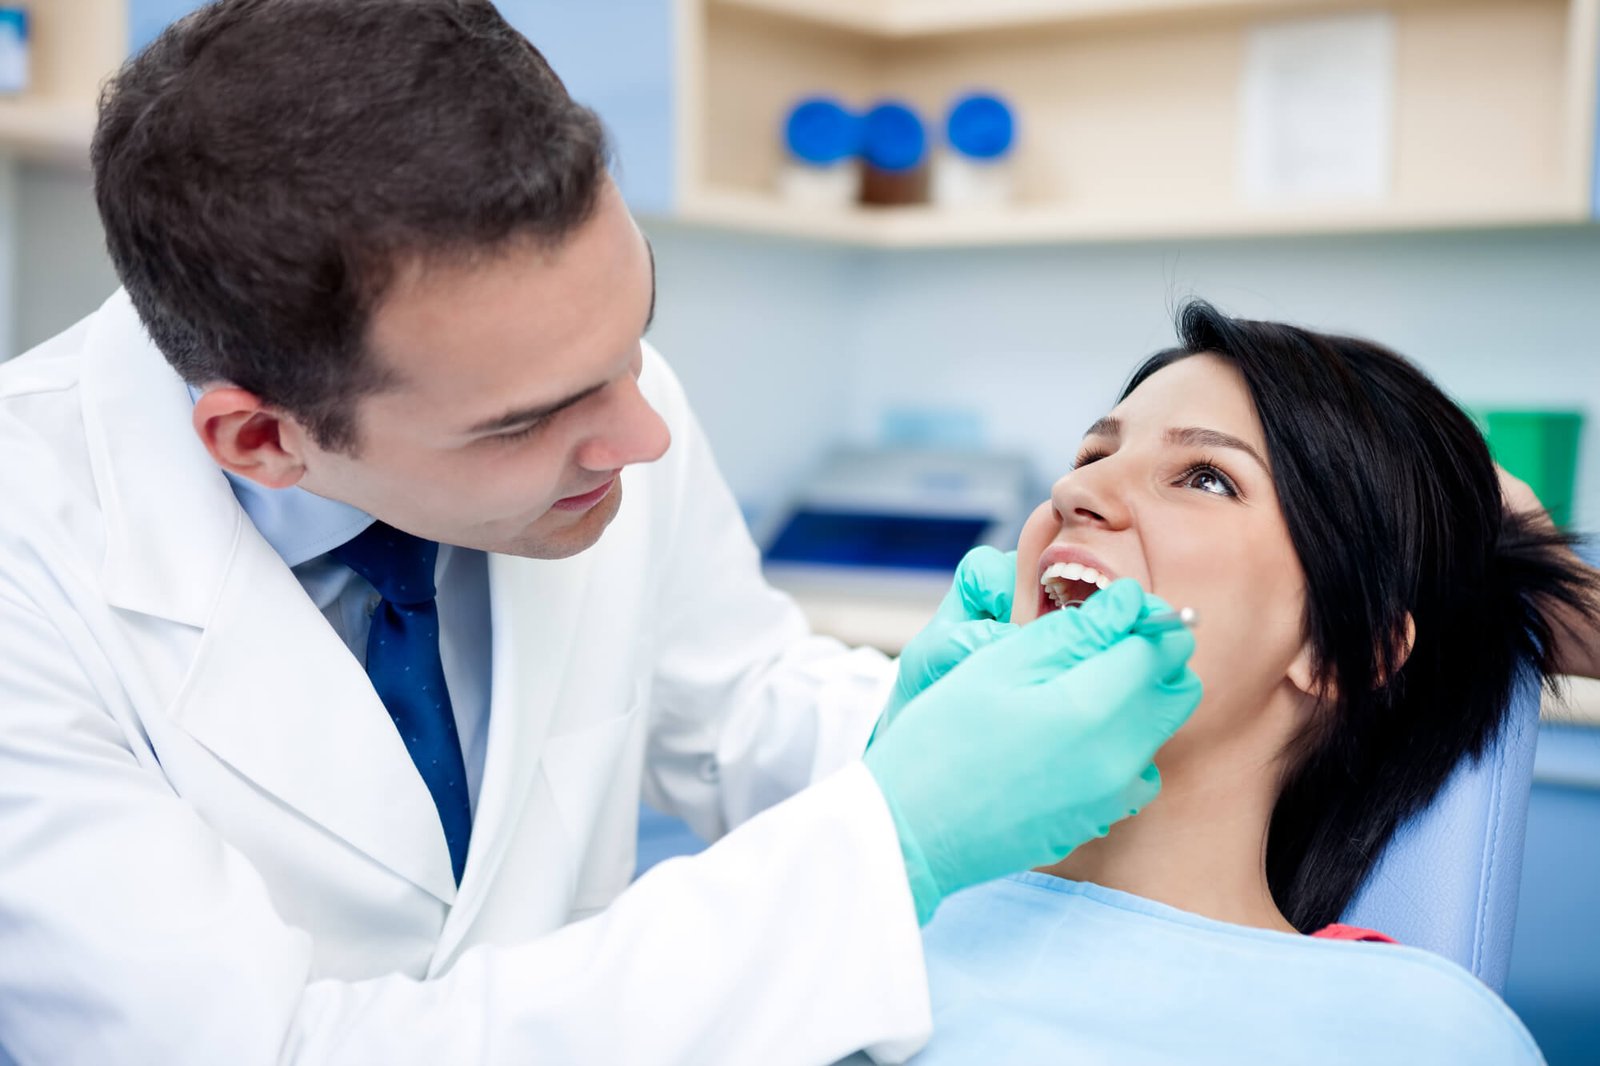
1541 448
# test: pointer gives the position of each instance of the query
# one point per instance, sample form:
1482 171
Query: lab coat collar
171 520
271 691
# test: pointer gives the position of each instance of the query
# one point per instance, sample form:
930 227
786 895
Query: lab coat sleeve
748 706
130 932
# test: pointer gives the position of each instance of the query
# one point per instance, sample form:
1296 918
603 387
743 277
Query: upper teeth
1074 572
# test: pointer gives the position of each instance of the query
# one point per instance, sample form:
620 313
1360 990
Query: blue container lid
893 137
981 126
820 130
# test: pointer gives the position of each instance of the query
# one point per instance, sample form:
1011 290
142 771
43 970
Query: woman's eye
1087 457
1208 479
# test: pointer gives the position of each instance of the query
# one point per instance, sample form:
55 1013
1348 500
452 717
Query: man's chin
559 535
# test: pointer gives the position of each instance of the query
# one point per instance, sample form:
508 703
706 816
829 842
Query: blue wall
147 18
616 57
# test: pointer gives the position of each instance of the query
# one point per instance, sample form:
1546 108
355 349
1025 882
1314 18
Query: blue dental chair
1448 882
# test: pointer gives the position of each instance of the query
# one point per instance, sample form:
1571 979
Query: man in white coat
264 798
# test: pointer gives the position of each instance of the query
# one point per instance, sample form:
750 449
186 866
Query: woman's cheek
1037 532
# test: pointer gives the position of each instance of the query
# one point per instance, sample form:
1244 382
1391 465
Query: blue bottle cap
821 131
981 126
892 137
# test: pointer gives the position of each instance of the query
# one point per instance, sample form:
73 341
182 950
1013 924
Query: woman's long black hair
1394 508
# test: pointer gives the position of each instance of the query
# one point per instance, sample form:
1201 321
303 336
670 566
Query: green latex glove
975 612
1034 744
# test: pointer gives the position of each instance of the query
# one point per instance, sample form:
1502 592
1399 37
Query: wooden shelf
1130 113
47 131
927 227
893 19
75 46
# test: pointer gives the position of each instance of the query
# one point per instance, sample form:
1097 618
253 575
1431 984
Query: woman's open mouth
1064 585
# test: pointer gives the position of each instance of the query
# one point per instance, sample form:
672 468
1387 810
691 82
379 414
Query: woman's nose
1090 495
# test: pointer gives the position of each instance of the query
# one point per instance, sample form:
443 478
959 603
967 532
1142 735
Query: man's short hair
265 167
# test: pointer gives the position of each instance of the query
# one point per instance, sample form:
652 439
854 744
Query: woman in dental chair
1366 607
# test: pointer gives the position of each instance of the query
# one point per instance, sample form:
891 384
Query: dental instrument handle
1164 621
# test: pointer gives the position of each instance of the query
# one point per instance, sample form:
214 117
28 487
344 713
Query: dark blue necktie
404 665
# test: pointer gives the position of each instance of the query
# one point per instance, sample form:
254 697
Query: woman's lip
587 499
1066 553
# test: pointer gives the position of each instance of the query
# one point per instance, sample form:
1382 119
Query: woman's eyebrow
1107 426
1200 437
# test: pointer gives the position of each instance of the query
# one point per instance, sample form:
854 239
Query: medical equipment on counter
823 139
868 543
973 170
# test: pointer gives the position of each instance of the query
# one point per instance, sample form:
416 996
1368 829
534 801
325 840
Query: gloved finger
1145 687
984 586
1142 789
958 642
1062 639
1127 802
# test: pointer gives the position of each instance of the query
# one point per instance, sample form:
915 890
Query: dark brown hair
264 167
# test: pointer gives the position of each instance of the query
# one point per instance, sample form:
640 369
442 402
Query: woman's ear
1302 674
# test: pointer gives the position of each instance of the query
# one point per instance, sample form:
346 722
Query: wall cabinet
1130 112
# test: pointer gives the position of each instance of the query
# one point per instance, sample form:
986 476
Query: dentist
361 568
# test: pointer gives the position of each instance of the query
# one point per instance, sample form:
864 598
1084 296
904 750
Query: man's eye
1208 478
518 434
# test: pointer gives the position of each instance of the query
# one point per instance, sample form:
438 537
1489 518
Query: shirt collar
299 525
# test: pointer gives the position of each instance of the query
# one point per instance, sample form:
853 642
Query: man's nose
632 433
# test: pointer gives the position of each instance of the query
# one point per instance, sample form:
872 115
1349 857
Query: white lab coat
214 847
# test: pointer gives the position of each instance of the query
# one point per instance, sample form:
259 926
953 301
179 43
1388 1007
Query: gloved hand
1033 745
975 612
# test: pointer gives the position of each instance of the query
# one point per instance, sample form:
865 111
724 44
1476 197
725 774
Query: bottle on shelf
894 151
823 139
974 168
13 49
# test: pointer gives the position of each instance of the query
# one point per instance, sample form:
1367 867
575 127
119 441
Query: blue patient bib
1034 969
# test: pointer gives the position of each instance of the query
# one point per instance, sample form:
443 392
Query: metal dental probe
1163 621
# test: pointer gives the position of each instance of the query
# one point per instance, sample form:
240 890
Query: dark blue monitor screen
849 538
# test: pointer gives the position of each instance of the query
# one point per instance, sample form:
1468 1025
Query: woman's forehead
1199 390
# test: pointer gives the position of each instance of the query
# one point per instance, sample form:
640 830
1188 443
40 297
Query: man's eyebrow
525 415
1200 437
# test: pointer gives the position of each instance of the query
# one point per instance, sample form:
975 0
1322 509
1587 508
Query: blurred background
909 249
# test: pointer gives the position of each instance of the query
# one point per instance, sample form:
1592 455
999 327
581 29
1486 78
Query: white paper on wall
1318 110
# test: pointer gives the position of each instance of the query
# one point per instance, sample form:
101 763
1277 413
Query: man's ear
248 437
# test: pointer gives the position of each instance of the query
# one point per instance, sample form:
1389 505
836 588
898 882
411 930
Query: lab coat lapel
532 605
271 690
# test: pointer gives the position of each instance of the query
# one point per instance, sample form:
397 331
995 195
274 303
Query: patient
1365 610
